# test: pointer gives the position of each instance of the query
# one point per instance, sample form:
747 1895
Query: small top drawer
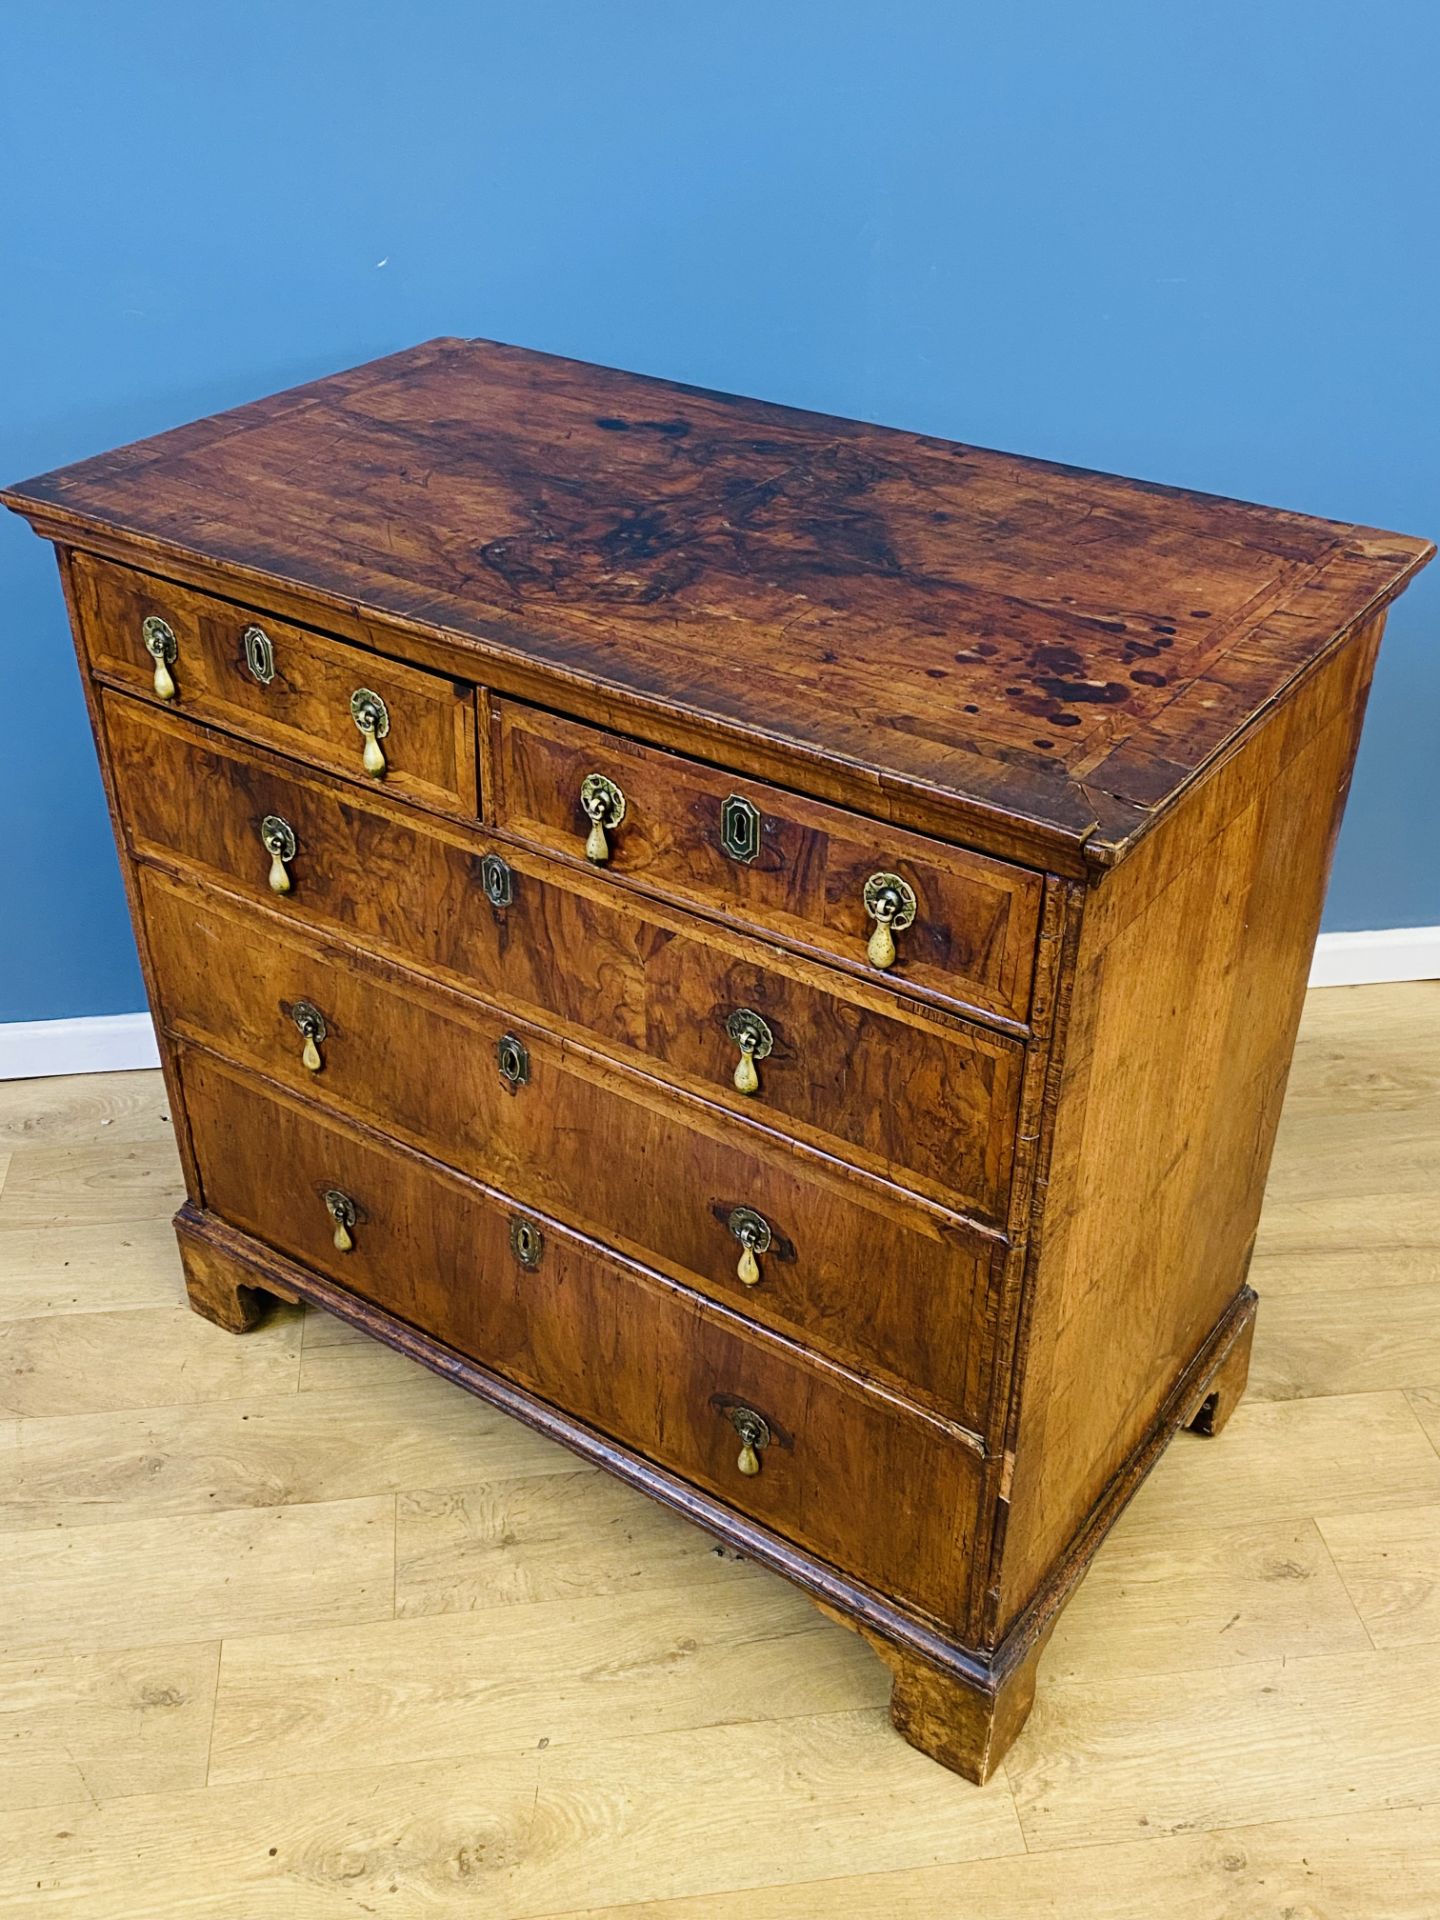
303 693
809 873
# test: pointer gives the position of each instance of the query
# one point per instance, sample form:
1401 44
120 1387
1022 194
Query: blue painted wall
1190 242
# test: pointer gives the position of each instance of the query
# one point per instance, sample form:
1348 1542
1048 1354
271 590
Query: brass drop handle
754 1437
277 836
603 805
160 644
341 1209
372 717
755 1041
891 904
311 1022
752 1230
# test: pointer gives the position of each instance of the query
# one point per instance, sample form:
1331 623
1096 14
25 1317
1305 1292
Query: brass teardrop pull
341 1209
160 644
277 836
311 1022
604 806
754 1437
372 717
891 904
881 949
752 1230
755 1040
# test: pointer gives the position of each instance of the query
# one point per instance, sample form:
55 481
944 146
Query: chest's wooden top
1058 649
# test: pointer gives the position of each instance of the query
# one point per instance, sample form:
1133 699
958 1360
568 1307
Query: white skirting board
95 1043
122 1042
1367 959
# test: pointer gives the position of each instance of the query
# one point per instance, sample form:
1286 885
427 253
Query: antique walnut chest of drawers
766 947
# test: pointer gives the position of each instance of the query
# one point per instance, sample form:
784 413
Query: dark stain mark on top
1105 693
672 429
1059 659
638 535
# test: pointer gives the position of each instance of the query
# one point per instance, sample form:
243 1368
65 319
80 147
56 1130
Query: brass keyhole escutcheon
604 806
740 828
277 836
161 645
497 880
513 1059
891 904
527 1243
755 1041
754 1437
342 1210
311 1023
259 654
372 717
752 1230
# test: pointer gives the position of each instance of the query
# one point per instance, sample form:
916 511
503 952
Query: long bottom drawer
844 1471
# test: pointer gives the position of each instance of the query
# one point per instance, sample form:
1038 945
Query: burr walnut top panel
1036 657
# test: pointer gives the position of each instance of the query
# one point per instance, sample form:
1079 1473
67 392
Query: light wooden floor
288 1629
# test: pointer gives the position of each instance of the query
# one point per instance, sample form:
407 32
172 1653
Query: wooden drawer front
974 934
920 1097
884 1284
304 709
848 1473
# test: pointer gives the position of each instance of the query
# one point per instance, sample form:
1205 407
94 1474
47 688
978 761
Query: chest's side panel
1189 980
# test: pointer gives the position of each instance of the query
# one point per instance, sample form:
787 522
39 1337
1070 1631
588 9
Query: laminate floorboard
290 1628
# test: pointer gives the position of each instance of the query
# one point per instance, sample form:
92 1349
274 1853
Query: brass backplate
369 712
159 638
750 1229
340 1207
752 1427
595 789
309 1019
750 1033
278 836
881 884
